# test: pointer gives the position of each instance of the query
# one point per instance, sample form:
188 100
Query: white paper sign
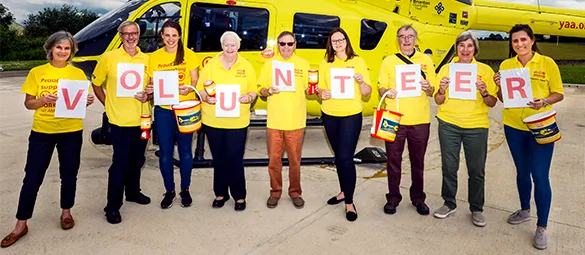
283 76
165 87
228 103
342 83
72 98
462 81
408 81
516 87
129 80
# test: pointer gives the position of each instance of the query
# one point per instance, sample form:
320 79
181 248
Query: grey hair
59 37
466 36
128 23
406 27
232 35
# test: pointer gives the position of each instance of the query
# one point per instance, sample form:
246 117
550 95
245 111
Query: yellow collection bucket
188 116
385 124
544 127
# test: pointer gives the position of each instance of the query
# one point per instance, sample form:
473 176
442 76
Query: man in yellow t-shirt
286 119
124 117
414 125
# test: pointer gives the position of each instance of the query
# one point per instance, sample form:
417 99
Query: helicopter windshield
95 38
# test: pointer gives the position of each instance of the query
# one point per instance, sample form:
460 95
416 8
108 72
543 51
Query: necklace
227 64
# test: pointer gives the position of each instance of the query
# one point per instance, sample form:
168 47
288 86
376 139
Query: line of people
460 122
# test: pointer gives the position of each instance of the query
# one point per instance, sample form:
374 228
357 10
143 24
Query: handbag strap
407 61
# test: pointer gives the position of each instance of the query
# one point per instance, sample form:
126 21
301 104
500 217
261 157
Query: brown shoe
67 223
298 202
11 238
272 202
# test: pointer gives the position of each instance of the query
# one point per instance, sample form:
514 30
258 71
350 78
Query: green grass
573 74
494 50
21 65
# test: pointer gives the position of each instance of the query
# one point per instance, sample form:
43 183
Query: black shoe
220 203
140 199
390 208
421 208
167 201
114 217
334 201
240 206
186 199
351 216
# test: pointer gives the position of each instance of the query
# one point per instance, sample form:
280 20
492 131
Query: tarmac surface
318 228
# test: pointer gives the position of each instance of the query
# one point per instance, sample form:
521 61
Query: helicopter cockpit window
371 33
151 23
209 21
94 39
312 30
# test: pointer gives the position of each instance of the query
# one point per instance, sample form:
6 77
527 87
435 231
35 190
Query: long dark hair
330 53
518 28
180 56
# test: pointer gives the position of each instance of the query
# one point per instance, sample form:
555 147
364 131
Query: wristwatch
545 102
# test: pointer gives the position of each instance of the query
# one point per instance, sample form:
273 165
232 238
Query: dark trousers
127 162
227 149
168 132
475 141
532 162
38 158
343 134
418 138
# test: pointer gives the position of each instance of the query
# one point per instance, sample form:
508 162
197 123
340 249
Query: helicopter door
151 22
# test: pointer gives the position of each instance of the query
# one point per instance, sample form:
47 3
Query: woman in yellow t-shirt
49 132
532 160
465 122
225 122
174 57
342 116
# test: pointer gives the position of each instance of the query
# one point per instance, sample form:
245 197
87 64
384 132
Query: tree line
37 27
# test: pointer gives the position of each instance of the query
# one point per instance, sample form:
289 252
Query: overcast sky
21 8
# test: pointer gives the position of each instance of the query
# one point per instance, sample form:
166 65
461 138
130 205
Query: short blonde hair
466 36
56 38
230 35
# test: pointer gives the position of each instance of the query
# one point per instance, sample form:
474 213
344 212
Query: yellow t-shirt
343 107
545 79
467 113
286 110
43 80
416 110
160 60
241 74
121 111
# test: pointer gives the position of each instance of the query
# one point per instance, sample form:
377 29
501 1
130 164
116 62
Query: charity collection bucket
544 127
188 116
385 123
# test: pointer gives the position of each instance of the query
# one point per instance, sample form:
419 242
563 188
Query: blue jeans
343 134
167 131
532 162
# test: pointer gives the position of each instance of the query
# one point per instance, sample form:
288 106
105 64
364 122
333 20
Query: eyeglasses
129 33
338 41
409 37
290 44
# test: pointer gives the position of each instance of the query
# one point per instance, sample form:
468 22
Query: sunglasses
290 44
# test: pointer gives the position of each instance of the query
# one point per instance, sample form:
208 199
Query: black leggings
343 134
